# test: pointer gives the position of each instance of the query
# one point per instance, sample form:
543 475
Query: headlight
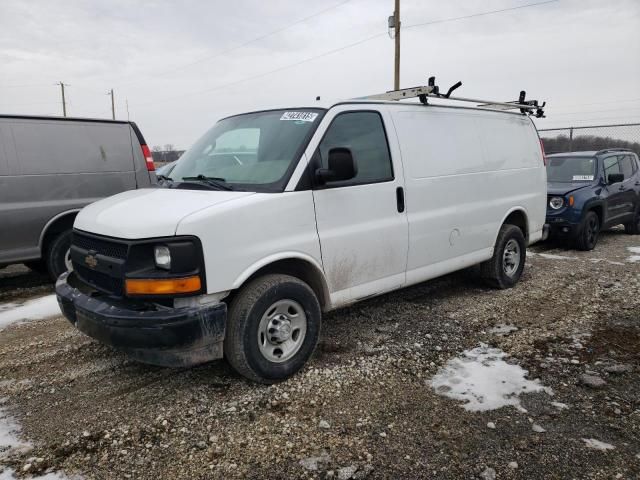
162 257
556 202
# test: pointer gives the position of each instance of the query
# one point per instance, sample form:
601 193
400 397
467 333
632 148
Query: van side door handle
400 199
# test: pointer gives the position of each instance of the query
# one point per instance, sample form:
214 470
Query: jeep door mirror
341 166
615 178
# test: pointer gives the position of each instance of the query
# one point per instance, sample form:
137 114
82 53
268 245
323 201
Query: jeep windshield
571 169
250 152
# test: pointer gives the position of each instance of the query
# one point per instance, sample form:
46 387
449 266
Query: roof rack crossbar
423 93
613 149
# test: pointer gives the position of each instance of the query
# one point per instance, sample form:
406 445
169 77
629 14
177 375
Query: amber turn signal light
571 200
154 286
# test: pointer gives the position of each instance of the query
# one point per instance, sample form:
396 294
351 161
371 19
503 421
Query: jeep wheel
633 227
272 328
504 269
589 232
57 254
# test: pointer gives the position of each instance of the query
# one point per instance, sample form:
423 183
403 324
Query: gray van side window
363 133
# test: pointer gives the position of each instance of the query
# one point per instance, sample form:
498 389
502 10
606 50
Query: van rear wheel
272 328
504 269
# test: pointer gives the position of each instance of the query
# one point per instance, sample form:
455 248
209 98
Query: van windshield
571 169
254 151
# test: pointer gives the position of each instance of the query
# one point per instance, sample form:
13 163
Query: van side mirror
615 178
342 166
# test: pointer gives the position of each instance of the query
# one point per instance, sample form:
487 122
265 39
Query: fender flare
53 220
287 255
266 261
596 202
517 208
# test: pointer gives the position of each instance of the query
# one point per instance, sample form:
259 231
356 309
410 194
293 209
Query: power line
253 77
242 45
336 50
480 14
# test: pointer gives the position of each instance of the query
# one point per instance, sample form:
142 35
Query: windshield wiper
215 182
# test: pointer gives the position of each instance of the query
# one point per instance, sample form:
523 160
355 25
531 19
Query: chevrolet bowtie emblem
91 261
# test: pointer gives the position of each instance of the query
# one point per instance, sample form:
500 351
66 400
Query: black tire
56 252
587 236
241 344
633 227
38 266
502 273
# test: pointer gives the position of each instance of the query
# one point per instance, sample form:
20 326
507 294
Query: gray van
52 167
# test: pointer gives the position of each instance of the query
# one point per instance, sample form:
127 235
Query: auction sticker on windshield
300 116
583 177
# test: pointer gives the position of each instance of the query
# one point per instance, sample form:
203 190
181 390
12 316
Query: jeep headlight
162 257
556 203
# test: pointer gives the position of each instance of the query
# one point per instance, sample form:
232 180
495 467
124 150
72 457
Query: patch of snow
9 431
610 262
35 309
560 405
10 444
481 378
597 444
551 256
8 474
634 258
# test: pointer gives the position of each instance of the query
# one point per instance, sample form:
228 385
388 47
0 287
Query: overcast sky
183 65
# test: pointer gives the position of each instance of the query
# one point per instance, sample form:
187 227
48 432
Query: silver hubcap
67 261
511 257
282 330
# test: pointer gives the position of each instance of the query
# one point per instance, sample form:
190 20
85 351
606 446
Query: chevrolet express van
274 217
52 167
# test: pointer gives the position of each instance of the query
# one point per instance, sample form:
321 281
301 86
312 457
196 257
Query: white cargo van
274 217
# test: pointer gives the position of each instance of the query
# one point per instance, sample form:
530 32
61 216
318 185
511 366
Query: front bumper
559 227
173 337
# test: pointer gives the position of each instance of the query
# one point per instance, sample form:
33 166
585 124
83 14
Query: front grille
104 247
101 281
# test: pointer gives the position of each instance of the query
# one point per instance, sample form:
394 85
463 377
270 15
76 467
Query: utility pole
113 105
394 23
64 103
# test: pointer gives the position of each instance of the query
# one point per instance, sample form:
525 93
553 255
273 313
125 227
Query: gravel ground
364 407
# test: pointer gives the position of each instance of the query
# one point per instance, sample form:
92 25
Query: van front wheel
57 254
272 328
504 269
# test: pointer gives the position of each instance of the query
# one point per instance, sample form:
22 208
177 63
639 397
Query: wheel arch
57 224
516 216
296 264
598 208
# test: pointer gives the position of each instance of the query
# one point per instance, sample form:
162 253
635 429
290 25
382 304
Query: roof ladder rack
530 107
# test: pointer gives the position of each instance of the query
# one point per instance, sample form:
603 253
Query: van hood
147 213
561 188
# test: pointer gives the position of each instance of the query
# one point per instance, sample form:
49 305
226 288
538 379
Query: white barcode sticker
301 116
583 177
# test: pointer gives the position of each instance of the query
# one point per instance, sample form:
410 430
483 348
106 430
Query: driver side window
363 133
